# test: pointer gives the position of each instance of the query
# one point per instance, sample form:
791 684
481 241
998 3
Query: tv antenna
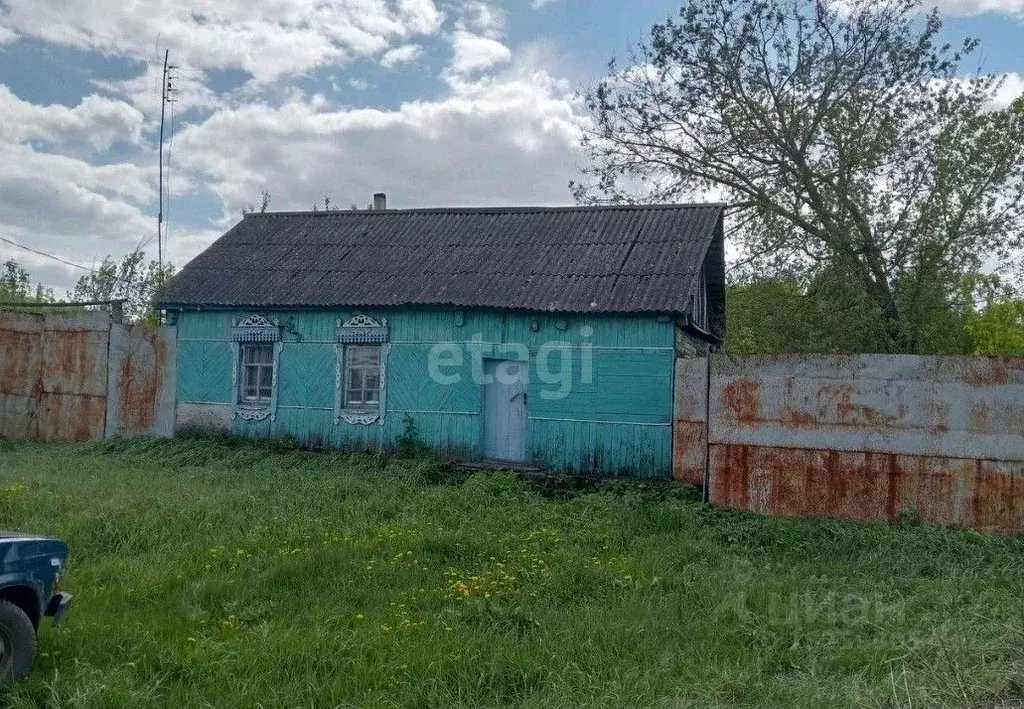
167 92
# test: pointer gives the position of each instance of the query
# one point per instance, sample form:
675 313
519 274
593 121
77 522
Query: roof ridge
494 210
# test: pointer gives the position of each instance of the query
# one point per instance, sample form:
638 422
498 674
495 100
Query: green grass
216 573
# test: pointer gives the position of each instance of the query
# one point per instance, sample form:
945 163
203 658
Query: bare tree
842 132
133 279
251 208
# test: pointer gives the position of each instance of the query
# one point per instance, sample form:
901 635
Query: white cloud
68 207
501 140
98 121
81 212
401 55
538 4
144 90
70 214
1011 89
484 18
471 52
268 39
421 16
125 181
974 7
183 245
63 204
7 35
505 132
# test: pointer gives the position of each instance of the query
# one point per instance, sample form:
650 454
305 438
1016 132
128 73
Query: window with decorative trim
361 376
256 345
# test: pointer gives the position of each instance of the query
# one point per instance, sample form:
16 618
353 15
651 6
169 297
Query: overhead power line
50 256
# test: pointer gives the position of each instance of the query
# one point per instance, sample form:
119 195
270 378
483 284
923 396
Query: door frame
526 412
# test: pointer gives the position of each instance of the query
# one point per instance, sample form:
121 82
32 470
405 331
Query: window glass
257 373
362 375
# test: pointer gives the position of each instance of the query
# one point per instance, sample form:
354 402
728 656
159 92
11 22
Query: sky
435 102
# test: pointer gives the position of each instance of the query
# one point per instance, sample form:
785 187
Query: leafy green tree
14 283
996 327
132 279
767 316
15 286
999 328
843 134
784 315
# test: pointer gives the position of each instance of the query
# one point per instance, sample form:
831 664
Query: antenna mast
166 89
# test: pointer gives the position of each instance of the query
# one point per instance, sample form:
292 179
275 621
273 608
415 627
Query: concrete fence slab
869 437
141 367
20 366
60 373
689 439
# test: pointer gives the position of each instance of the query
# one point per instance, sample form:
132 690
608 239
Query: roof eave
175 305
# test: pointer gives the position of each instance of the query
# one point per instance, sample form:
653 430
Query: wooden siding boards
620 423
204 371
306 379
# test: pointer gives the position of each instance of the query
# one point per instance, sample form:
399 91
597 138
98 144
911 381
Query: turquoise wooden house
538 335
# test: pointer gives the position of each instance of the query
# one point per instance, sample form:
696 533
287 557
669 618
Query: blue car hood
15 546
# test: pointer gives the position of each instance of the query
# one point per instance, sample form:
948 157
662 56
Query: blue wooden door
504 409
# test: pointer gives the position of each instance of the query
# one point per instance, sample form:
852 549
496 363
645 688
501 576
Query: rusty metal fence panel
59 373
21 336
142 376
870 437
74 376
689 427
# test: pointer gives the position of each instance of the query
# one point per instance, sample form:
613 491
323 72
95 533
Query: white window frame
244 386
351 351
360 331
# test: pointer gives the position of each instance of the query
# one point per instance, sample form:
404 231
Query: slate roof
572 259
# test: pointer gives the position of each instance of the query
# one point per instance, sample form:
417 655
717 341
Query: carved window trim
259 330
360 330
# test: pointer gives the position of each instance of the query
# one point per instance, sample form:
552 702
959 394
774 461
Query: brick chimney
380 202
